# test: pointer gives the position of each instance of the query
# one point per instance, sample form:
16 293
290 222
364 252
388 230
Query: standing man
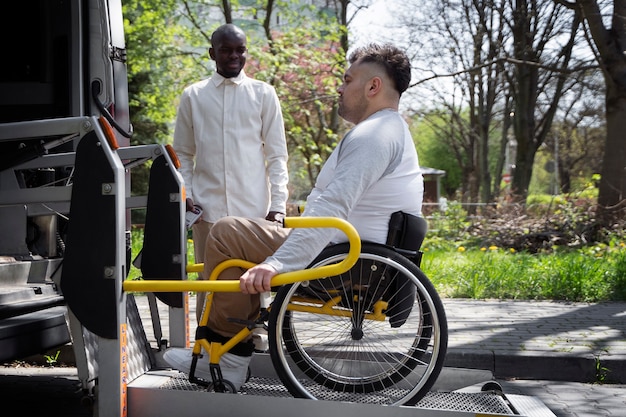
230 139
373 172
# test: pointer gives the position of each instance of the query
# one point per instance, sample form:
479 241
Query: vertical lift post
98 258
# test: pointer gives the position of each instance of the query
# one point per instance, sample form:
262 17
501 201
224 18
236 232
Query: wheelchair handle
214 285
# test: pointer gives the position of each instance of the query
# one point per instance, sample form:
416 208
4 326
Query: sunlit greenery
461 267
597 273
552 250
137 243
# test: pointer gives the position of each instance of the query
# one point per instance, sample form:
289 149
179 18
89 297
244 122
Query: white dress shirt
230 139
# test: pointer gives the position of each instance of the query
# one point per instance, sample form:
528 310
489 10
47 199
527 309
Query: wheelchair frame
434 355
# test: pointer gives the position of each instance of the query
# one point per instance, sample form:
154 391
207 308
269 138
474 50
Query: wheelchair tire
348 353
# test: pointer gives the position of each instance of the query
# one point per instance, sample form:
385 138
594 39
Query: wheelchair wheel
375 334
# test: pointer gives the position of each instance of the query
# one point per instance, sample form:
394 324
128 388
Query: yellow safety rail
213 285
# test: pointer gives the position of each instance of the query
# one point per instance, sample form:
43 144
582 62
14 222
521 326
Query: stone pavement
560 341
562 353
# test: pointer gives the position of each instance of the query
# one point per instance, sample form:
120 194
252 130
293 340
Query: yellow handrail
214 285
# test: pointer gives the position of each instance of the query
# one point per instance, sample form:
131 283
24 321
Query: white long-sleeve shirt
373 172
230 140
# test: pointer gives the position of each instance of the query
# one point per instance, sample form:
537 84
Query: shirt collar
218 79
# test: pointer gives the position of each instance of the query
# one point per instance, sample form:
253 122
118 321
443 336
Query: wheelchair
376 333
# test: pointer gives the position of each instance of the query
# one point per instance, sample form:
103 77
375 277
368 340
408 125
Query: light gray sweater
373 172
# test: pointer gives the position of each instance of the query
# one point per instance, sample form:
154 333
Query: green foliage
601 371
459 268
158 69
52 360
305 62
501 274
137 244
481 258
157 66
584 191
616 277
449 224
435 153
542 181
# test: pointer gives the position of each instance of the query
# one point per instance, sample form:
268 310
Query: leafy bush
492 272
510 254
547 250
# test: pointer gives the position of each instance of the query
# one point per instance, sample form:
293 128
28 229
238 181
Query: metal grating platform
484 402
163 391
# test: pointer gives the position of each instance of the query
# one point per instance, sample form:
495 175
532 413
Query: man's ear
212 53
375 86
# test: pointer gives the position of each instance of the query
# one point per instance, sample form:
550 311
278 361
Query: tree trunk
612 193
504 139
485 175
526 86
610 49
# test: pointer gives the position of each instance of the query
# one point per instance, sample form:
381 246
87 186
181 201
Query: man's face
352 99
230 54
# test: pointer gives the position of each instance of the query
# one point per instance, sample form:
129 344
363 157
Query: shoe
260 340
234 368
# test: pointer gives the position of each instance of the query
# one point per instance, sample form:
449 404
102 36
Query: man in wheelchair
373 173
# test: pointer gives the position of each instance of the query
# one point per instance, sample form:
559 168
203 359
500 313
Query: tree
467 42
541 67
433 152
510 63
575 143
455 41
605 24
157 65
307 83
156 70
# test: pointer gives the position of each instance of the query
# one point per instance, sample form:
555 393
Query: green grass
137 243
591 274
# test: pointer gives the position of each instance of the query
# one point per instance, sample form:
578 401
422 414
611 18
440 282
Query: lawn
591 273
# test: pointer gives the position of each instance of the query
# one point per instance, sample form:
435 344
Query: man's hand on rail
257 279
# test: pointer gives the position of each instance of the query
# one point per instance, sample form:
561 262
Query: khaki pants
238 238
199 233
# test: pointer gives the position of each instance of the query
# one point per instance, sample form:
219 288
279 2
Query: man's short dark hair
391 58
227 29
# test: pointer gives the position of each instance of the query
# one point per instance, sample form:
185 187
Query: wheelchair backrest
406 232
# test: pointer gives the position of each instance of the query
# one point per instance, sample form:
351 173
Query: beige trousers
199 233
238 238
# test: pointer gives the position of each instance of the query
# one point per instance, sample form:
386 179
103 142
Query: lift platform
166 392
162 391
119 368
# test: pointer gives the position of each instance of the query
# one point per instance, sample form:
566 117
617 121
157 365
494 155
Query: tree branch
511 61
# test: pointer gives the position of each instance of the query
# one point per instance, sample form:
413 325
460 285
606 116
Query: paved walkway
550 350
559 341
539 339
